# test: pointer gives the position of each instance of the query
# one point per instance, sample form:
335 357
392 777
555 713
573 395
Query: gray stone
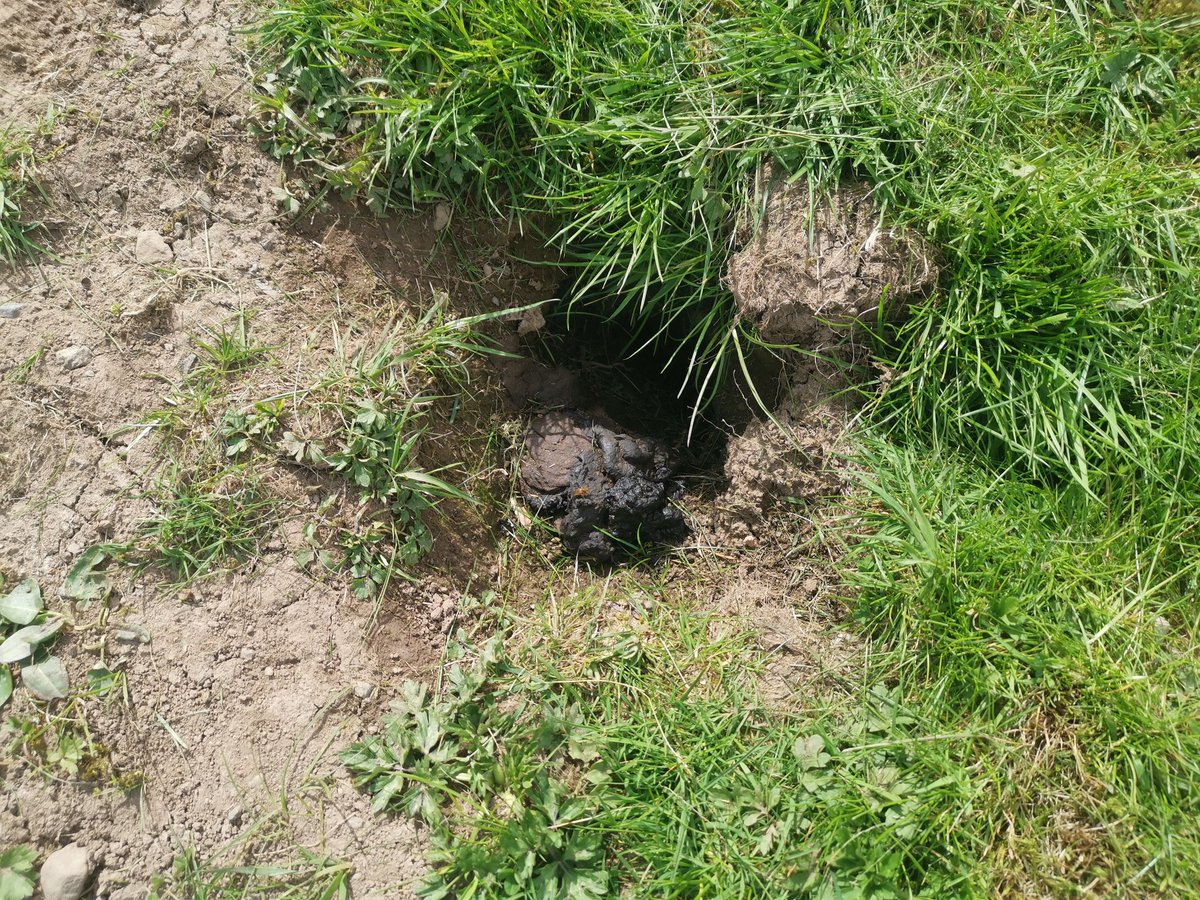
132 634
65 873
74 357
11 310
186 363
441 216
152 249
364 690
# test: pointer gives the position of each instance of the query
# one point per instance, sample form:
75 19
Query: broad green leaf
1118 64
20 643
85 581
5 684
22 604
810 752
46 680
16 871
101 680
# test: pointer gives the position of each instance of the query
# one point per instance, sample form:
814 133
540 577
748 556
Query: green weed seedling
17 875
27 631
227 350
263 861
17 184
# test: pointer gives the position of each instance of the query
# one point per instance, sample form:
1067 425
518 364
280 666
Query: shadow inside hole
645 380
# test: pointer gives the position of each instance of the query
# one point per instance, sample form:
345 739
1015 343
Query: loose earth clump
817 263
606 490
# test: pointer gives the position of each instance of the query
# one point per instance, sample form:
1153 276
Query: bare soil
164 217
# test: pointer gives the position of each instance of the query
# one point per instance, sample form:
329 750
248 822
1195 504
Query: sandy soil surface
165 219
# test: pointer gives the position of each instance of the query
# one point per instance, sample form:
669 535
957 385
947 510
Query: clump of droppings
604 489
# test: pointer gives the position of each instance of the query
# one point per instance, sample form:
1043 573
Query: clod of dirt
768 469
602 487
529 382
152 249
811 266
191 146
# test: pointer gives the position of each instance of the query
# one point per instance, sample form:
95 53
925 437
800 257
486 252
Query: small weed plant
17 876
356 429
265 862
17 185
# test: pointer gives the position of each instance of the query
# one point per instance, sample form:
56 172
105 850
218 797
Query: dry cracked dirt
165 222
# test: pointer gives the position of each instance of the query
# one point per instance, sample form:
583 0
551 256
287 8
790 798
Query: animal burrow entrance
615 440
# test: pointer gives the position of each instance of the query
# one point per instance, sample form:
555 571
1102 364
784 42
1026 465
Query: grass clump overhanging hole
1046 150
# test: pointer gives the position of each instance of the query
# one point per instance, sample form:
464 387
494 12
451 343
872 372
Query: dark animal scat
604 488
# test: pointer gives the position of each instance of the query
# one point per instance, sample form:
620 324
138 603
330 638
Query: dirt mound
767 469
602 487
816 263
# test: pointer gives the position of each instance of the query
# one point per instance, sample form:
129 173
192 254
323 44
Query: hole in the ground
628 431
639 380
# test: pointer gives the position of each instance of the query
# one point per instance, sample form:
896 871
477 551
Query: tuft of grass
206 519
1064 629
356 428
17 183
263 862
227 350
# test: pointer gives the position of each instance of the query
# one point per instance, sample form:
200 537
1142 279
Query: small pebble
247 653
441 216
192 146
364 690
74 357
152 249
11 310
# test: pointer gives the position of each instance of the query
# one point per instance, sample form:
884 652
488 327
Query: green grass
1066 631
1022 546
586 753
355 429
207 519
262 862
17 185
